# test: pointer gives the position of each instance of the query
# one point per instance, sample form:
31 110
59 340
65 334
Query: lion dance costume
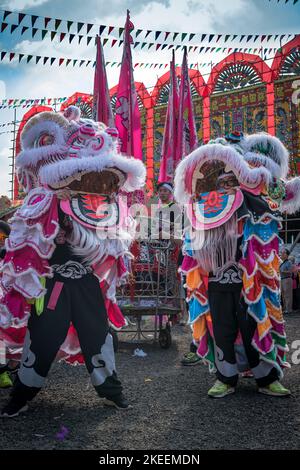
235 190
65 256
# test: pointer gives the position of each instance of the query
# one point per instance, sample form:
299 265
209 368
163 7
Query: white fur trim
60 171
278 154
292 205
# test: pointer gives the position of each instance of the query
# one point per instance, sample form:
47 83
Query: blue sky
198 16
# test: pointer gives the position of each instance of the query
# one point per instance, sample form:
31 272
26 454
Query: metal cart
153 290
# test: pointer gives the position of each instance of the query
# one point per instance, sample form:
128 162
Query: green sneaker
5 380
220 390
275 389
190 359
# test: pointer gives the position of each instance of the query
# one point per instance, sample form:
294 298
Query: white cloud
4 171
2 90
21 4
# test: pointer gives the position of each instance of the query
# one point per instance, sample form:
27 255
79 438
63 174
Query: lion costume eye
44 139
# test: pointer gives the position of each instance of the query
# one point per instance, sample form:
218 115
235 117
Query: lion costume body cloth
231 252
65 257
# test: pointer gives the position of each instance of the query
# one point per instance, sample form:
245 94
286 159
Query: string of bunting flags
25 103
286 1
6 56
41 27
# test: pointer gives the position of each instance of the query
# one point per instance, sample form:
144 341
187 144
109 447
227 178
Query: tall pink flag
102 110
187 134
169 145
128 119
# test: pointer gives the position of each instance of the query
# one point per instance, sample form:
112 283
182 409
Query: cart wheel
115 339
165 338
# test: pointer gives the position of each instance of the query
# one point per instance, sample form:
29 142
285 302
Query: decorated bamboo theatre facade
241 93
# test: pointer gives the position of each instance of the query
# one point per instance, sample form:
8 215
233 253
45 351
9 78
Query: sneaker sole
111 403
191 363
229 392
273 394
22 410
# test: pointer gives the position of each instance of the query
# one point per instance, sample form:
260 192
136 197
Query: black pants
229 315
81 303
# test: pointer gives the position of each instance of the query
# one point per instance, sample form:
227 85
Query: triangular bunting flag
69 24
67 62
3 54
249 37
89 27
157 34
62 37
53 34
138 31
6 14
163 46
47 21
148 32
3 26
113 42
21 17
183 36
105 41
150 45
234 37
71 37
13 28
24 28
81 63
227 36
79 27
210 38
191 36
60 62
34 31
158 46
33 20
57 24
29 57
21 57
110 29
121 31
203 36
11 56
143 45
37 59
79 38
175 36
88 39
219 37
44 32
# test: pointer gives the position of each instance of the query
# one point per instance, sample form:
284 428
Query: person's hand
63 194
230 191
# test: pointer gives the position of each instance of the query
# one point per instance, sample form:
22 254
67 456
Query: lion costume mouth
106 182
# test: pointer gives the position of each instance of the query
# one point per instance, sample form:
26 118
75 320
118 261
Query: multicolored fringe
261 292
261 289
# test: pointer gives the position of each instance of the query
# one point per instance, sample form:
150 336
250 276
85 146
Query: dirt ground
170 407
